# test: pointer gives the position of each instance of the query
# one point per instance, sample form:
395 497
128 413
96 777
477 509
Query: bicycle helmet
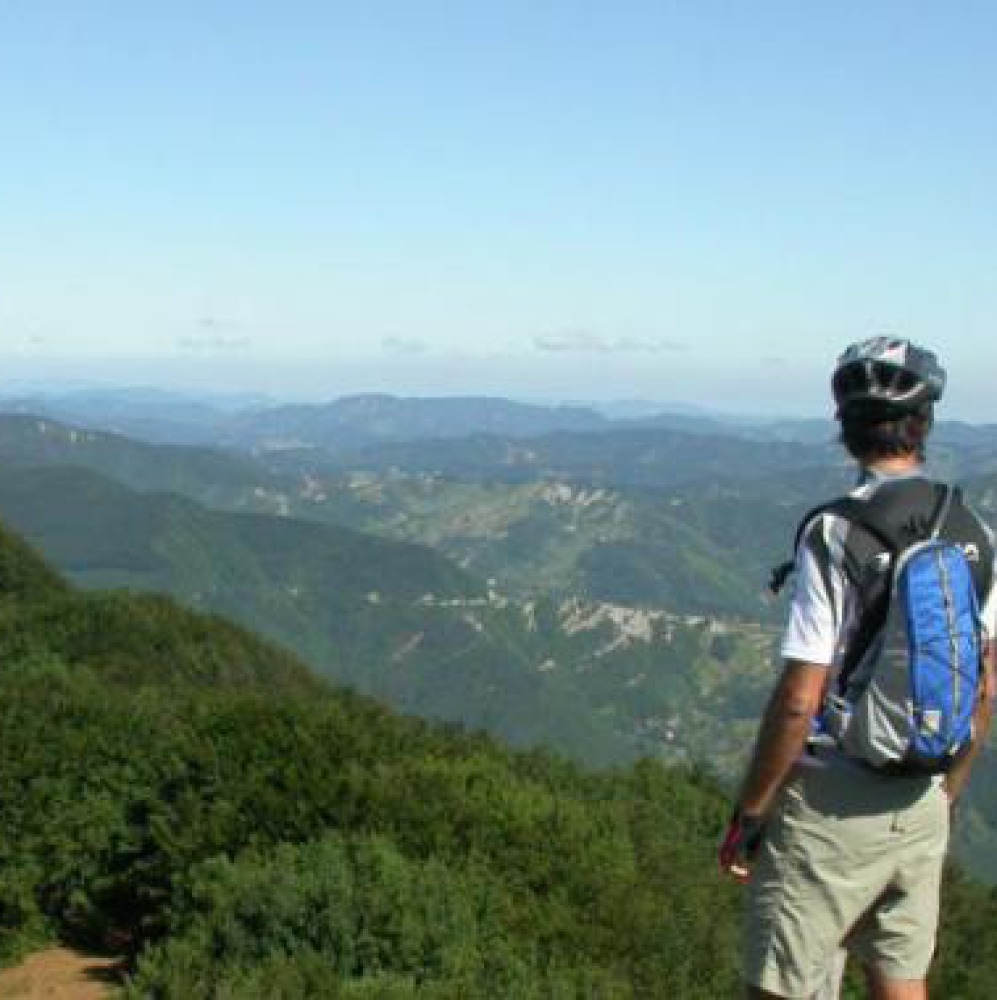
888 377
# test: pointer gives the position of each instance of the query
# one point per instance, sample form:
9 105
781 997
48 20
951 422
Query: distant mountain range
697 533
598 591
644 458
534 533
193 471
486 438
351 422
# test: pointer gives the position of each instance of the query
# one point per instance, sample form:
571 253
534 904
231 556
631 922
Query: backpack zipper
952 628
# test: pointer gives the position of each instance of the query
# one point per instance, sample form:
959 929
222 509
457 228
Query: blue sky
698 202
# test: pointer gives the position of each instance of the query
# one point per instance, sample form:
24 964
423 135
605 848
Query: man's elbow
796 706
802 689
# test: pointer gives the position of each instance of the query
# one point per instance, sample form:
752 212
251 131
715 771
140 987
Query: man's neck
895 465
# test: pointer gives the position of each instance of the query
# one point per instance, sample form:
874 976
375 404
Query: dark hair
869 436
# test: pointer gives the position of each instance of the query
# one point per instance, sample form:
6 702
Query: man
836 853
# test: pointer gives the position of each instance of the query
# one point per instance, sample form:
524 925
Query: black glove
741 844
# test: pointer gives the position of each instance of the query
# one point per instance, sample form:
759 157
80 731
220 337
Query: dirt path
60 974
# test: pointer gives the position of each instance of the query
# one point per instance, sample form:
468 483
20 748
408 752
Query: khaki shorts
851 859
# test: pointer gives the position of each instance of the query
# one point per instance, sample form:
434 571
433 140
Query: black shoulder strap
896 529
964 527
848 507
782 572
889 515
895 518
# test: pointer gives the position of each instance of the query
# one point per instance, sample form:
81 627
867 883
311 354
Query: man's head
885 389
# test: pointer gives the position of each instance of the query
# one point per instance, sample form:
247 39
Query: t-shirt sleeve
814 628
989 610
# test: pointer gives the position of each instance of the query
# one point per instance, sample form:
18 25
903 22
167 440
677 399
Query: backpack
910 681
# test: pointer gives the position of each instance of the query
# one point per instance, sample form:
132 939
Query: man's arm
781 739
783 734
811 635
955 780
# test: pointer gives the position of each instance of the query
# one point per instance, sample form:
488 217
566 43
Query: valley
581 612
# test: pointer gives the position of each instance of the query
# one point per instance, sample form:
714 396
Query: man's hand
741 844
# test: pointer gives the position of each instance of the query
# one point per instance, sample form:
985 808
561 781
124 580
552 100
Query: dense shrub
358 905
124 810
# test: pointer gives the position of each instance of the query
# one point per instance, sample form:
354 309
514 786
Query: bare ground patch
61 974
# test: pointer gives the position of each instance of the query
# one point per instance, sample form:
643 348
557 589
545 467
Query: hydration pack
910 682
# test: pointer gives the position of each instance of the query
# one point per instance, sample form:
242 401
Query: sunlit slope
394 619
712 515
211 475
599 680
133 639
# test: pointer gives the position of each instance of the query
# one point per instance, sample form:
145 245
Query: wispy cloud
404 345
587 341
30 343
215 324
215 345
216 336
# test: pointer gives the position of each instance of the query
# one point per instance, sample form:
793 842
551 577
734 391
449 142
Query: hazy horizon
235 397
321 382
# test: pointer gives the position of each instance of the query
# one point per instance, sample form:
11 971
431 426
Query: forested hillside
169 782
209 474
605 683
682 521
172 785
618 623
664 548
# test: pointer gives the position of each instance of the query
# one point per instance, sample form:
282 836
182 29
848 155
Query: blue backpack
910 683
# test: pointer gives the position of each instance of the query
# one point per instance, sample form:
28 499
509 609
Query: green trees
355 907
173 787
226 834
249 832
